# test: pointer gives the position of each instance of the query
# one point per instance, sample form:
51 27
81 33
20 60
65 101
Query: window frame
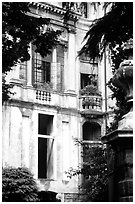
50 137
42 74
83 80
23 66
41 68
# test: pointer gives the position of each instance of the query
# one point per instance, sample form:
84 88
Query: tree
114 28
18 185
19 28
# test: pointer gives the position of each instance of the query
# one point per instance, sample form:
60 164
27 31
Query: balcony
44 97
91 101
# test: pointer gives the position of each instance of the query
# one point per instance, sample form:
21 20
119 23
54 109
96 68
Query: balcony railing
91 102
43 96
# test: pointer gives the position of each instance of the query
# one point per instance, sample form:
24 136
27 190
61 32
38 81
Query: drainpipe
105 84
105 92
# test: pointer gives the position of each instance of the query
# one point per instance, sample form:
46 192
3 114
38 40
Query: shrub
18 185
95 173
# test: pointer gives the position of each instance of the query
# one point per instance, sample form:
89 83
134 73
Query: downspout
105 84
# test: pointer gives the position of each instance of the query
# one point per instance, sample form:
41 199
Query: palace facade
48 111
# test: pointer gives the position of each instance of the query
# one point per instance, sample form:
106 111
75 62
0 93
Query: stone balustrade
44 97
91 103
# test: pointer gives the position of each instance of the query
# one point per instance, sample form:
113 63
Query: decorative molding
97 121
54 9
26 112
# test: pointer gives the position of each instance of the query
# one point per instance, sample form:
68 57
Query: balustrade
91 102
43 96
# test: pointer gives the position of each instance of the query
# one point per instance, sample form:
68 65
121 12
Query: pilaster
29 68
71 76
54 68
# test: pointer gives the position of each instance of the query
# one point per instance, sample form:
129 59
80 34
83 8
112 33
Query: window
45 146
48 71
41 71
88 71
23 69
88 79
91 132
41 68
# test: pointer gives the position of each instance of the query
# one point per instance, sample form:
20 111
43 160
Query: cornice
26 105
48 8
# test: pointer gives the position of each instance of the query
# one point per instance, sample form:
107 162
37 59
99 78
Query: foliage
94 171
6 89
19 28
90 90
115 27
87 94
47 86
18 185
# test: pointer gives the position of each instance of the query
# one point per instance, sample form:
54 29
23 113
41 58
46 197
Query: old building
47 111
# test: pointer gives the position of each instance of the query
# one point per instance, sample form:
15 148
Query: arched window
91 131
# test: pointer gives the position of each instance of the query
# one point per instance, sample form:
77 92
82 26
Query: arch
91 131
98 121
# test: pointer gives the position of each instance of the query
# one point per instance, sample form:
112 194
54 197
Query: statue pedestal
120 164
120 141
